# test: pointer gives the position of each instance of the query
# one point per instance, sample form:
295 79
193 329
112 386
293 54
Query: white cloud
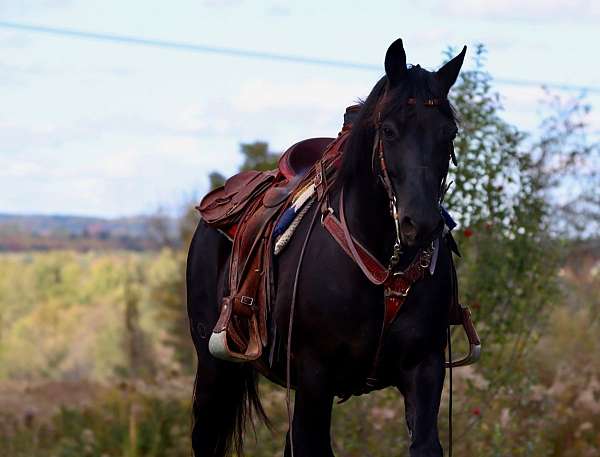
221 3
280 112
14 40
558 10
26 7
279 9
521 98
262 95
19 169
19 74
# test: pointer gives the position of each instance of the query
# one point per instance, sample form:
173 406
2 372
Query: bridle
383 177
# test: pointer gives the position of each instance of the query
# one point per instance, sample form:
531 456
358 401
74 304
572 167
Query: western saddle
246 210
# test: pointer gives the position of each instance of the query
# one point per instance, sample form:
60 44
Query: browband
428 102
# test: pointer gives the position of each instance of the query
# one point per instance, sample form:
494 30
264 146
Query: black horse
338 312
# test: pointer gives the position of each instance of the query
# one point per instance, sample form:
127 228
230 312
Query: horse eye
388 132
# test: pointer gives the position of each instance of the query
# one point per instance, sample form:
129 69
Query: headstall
384 178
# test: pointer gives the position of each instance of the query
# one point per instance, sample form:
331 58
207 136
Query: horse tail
225 397
235 404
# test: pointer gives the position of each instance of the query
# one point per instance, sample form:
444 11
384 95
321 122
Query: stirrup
219 346
474 341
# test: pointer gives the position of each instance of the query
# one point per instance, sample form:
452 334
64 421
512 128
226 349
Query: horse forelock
384 101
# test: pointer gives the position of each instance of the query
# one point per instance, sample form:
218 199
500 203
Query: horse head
414 131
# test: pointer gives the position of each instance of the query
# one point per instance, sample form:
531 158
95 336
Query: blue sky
89 127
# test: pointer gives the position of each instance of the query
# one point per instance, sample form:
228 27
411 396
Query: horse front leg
422 390
311 425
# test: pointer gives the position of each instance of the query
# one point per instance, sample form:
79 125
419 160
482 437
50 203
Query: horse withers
378 216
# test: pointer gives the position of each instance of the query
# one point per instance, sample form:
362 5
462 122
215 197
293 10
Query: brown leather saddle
246 209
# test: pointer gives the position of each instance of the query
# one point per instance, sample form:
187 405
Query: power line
190 47
252 54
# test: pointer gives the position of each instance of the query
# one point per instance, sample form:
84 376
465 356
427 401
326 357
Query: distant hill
46 232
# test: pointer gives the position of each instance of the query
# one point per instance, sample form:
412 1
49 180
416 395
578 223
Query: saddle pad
291 217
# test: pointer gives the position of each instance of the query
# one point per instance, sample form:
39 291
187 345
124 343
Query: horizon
88 216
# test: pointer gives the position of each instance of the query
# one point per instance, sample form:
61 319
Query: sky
112 129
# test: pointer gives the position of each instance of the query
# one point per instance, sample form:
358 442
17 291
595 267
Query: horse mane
418 83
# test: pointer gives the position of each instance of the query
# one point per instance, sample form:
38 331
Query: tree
565 157
256 157
216 179
501 197
140 360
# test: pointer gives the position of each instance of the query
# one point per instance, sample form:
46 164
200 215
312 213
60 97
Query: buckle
318 178
328 212
426 256
389 292
248 301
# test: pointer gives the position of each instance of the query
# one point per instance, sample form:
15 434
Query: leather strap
370 266
332 157
396 285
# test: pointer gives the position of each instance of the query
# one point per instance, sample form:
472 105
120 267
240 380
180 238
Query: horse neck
366 206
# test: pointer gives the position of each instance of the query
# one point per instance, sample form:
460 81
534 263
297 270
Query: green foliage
78 316
130 420
140 357
257 156
565 156
490 171
167 294
509 269
216 179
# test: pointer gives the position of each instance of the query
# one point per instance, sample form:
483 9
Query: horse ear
395 62
449 72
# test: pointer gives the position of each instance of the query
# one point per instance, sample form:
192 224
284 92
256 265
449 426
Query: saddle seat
299 158
223 207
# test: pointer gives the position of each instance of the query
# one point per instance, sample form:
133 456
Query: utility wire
251 54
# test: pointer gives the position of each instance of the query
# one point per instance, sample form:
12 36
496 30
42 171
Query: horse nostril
408 227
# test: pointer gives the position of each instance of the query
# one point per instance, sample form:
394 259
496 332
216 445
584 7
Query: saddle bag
225 205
